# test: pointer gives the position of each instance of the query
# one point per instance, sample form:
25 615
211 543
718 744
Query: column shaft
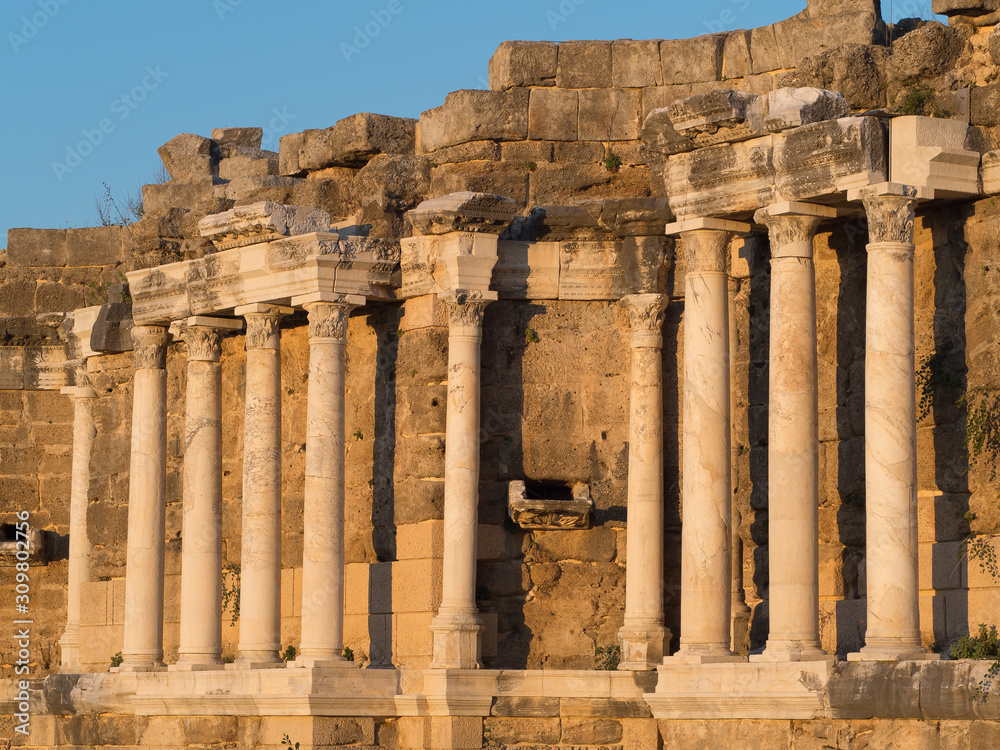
739 611
893 630
201 556
322 642
79 545
143 641
793 437
457 626
260 553
644 639
707 483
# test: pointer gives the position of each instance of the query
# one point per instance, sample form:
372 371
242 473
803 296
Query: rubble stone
187 156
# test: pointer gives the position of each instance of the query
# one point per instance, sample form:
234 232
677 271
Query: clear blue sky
147 71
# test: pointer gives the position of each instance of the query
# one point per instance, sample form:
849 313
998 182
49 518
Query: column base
704 654
457 641
892 650
643 648
257 660
739 631
321 662
786 651
205 664
69 653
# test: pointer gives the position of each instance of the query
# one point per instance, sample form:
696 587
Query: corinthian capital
890 217
150 344
466 308
646 312
328 320
203 344
262 325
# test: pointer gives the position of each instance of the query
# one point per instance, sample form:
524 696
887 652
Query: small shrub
918 99
288 654
613 162
285 742
532 166
984 645
607 658
117 659
530 336
348 653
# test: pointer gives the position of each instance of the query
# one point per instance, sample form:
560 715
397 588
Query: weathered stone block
610 114
857 71
635 64
539 152
693 60
929 51
472 151
518 706
584 65
523 64
736 61
179 193
553 115
788 108
475 116
513 731
227 138
96 246
36 247
187 156
591 731
246 162
986 105
16 298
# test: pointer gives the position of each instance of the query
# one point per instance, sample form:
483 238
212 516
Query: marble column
79 545
644 639
457 628
706 565
793 435
893 629
201 553
322 642
739 611
143 643
260 552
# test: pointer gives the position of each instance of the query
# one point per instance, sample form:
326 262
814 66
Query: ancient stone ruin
648 399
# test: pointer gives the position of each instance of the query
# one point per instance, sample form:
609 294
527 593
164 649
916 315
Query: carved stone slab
527 270
463 212
265 273
719 116
33 368
259 222
112 331
550 514
991 172
436 263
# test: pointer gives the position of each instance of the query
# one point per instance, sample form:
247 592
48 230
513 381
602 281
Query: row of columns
260 555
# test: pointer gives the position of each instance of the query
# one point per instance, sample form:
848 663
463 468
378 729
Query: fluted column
707 483
457 627
322 642
143 643
260 552
893 630
79 545
644 639
793 435
201 554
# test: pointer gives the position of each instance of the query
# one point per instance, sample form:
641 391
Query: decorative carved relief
328 320
203 343
262 329
150 346
706 249
890 217
550 514
646 311
787 229
465 309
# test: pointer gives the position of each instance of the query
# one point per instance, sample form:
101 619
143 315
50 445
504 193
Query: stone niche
545 506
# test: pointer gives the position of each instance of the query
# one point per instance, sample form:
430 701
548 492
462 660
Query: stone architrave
322 641
644 639
142 649
201 555
79 545
793 435
893 628
260 554
457 628
261 222
707 485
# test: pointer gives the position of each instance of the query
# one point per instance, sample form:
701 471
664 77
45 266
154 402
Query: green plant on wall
607 658
231 591
918 99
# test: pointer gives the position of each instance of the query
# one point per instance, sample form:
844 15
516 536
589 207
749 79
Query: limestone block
98 644
352 142
986 105
765 54
94 606
516 730
418 541
553 115
635 64
523 64
591 270
591 731
527 270
857 71
940 567
978 573
583 65
472 151
187 193
117 602
990 171
475 116
416 585
187 156
112 330
792 107
246 162
964 7
926 52
610 114
719 116
227 138
539 152
930 152
462 212
660 138
412 634
96 246
693 60
36 247
259 222
736 61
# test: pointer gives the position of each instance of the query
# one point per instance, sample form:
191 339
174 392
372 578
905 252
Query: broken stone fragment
187 156
112 331
970 8
475 116
463 212
660 138
720 116
990 171
228 139
630 217
791 107
352 142
260 222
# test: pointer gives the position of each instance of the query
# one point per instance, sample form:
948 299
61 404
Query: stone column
739 611
890 429
322 642
260 553
457 627
143 643
707 486
644 639
793 435
79 545
201 554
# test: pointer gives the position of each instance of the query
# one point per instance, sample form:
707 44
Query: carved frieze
550 514
466 308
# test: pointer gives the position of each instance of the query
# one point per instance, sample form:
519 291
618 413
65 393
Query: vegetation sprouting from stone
231 591
612 162
918 99
983 645
607 658
110 214
286 742
117 659
289 653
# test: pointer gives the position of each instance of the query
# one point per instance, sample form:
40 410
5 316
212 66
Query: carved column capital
150 343
204 344
262 328
890 217
465 308
646 312
791 235
328 320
